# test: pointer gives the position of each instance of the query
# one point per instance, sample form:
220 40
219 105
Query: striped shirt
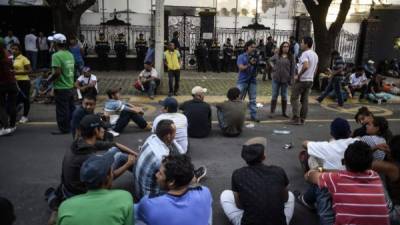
357 198
148 164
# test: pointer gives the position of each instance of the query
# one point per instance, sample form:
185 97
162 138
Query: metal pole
128 21
159 36
215 19
104 17
274 20
184 41
236 17
256 20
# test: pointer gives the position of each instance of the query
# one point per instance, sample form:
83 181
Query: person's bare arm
118 172
312 176
125 149
55 75
387 168
305 143
237 200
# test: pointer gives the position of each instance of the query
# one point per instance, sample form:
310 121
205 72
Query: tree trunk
68 27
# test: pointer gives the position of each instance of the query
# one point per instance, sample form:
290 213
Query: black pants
140 61
64 99
8 104
124 119
103 62
215 64
363 90
121 61
201 64
227 64
43 59
24 95
173 74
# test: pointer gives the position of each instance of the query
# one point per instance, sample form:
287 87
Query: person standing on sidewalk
247 82
31 48
22 69
63 64
283 69
172 59
43 56
8 91
303 81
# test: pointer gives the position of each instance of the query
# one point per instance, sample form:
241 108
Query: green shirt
65 60
97 207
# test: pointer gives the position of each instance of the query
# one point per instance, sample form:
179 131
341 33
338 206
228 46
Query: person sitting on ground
375 90
357 193
122 112
157 146
86 108
86 83
378 135
362 117
7 215
258 189
99 205
92 132
181 203
43 91
148 80
359 82
324 155
170 112
198 114
391 170
231 114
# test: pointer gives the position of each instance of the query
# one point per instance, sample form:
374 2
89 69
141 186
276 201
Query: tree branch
336 26
82 7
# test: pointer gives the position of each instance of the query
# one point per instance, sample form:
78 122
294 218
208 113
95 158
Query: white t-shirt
8 41
331 153
30 43
86 80
181 124
312 58
147 74
357 81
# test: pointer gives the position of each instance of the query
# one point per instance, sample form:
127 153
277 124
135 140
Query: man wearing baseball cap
198 114
259 192
170 112
63 65
99 205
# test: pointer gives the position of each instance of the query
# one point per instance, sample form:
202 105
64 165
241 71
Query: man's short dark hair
233 93
87 133
394 145
248 44
7 216
358 157
178 169
269 37
16 45
308 41
164 127
90 96
175 33
383 124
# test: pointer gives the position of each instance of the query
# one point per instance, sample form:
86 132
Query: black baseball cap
90 122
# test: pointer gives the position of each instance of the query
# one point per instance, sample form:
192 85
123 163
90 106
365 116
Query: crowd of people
354 178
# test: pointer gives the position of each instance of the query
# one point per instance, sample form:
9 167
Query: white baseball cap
198 89
57 38
371 61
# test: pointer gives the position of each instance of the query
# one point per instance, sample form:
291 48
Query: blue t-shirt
248 75
193 207
76 52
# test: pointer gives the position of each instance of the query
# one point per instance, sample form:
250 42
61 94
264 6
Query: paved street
31 158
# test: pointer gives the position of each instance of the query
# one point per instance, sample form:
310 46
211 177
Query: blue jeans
279 87
251 89
334 85
323 199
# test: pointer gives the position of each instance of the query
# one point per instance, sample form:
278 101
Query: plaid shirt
149 162
373 141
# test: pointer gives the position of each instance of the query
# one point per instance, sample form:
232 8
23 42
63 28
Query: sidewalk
217 85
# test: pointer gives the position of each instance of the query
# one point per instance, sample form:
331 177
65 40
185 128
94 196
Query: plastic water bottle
282 132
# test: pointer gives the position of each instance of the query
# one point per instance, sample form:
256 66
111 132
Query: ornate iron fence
346 43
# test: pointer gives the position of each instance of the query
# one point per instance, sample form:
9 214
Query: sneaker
4 131
115 134
300 199
200 173
23 120
255 120
12 129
